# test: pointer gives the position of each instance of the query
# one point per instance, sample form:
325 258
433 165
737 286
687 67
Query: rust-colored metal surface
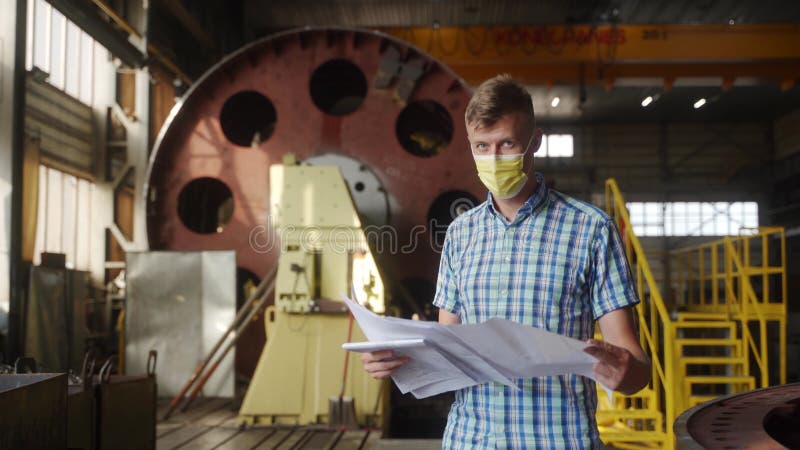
389 110
762 419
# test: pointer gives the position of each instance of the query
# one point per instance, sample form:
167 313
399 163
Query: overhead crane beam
176 8
602 54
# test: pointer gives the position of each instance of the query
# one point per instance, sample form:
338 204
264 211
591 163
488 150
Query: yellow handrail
749 300
663 375
739 300
723 284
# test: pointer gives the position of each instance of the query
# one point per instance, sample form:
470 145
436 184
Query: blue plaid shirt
558 266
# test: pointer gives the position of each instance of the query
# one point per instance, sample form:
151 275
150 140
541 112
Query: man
538 257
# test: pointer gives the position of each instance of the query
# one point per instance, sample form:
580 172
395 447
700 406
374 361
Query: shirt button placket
501 418
505 276
505 263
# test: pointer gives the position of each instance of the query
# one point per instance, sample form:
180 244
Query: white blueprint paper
459 356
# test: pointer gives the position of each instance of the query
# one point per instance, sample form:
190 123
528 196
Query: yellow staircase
632 421
741 279
710 359
711 341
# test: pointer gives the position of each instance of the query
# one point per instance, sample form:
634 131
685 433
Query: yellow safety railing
718 276
747 304
713 281
657 335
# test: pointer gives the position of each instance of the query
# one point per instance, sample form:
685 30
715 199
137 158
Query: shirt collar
531 205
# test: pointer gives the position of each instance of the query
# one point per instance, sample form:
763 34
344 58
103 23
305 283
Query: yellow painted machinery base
300 369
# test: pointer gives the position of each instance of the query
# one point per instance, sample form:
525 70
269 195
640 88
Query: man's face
510 135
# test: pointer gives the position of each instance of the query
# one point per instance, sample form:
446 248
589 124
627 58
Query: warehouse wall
85 154
137 146
7 39
784 204
661 162
784 207
664 162
139 151
787 135
102 215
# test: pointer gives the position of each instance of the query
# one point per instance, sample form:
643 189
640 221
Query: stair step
701 316
708 342
710 360
611 434
646 394
645 414
704 324
718 379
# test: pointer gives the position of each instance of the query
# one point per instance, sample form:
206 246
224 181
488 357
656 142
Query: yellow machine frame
324 254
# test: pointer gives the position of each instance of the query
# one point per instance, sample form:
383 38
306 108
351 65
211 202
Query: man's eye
508 143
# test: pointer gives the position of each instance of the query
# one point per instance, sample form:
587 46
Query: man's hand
382 364
621 365
617 368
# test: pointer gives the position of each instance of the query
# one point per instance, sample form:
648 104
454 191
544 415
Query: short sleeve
446 297
612 283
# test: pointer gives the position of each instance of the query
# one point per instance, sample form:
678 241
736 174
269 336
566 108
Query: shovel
341 409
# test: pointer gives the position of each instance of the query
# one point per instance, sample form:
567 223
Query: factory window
58 48
692 218
556 146
64 217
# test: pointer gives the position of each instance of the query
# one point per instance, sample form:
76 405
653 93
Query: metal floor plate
213 424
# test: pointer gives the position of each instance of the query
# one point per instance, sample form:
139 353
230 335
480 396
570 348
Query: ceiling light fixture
699 103
647 100
555 102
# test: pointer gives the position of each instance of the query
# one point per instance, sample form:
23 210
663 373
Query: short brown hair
495 98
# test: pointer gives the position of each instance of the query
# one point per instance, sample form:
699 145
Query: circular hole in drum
338 87
205 205
248 118
246 285
424 128
444 209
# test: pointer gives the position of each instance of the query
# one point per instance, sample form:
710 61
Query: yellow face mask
501 174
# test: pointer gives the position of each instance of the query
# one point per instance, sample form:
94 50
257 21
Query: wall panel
64 127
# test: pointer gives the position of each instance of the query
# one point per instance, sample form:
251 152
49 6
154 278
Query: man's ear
536 140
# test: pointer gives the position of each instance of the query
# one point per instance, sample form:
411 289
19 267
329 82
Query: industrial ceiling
741 56
265 15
